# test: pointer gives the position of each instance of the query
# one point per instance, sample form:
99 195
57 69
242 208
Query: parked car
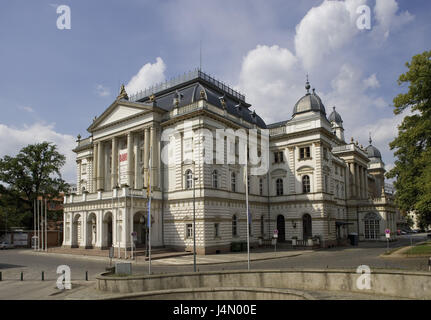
6 245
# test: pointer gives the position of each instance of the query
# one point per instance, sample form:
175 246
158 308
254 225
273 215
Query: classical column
129 160
78 173
100 162
114 167
94 169
136 161
153 157
352 180
366 183
357 181
146 154
292 177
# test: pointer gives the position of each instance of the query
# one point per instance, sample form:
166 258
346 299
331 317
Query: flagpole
149 211
34 217
247 211
46 228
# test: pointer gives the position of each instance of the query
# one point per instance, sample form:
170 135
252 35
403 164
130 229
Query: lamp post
193 179
194 223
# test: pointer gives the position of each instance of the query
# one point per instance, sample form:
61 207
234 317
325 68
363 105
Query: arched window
233 181
306 184
279 186
189 179
215 179
234 226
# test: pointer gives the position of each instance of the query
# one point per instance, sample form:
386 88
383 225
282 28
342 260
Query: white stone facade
316 185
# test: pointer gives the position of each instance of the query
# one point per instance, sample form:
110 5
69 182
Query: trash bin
354 239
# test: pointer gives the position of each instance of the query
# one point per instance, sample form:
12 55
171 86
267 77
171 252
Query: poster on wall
123 166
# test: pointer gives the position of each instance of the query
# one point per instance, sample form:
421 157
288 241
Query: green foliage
413 144
33 172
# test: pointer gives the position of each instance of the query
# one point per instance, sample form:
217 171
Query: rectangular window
189 230
261 187
278 157
216 230
304 153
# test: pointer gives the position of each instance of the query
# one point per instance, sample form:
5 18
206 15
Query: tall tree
413 144
33 172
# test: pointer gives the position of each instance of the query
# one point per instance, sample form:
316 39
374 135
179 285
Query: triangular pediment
118 111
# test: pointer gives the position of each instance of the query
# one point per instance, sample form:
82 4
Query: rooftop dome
372 151
335 117
309 102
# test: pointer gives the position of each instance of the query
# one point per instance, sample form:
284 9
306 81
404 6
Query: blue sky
55 81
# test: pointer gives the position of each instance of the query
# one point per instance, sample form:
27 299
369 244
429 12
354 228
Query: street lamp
193 179
194 224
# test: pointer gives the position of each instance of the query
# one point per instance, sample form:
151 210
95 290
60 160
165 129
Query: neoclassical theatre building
317 188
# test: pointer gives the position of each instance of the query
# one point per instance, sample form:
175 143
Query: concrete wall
416 285
227 293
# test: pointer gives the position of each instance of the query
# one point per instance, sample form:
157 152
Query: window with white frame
279 186
189 231
189 179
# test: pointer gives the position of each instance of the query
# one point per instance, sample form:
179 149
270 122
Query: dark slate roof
190 91
373 152
335 116
309 102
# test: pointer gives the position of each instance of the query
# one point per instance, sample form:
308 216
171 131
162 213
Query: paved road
13 262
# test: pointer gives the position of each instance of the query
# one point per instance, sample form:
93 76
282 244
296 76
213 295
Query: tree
413 144
33 172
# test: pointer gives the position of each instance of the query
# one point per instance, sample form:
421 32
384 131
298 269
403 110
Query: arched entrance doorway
281 227
91 229
140 227
306 227
76 231
107 230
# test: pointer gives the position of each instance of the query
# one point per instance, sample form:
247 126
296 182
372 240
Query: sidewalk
186 258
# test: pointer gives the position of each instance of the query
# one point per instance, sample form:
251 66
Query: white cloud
371 82
102 91
269 78
26 108
324 29
387 18
14 139
149 74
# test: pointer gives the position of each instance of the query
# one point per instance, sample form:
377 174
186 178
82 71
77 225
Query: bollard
86 275
43 276
22 276
429 264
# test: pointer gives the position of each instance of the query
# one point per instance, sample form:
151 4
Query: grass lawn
424 248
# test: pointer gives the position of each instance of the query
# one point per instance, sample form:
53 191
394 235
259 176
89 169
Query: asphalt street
15 261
